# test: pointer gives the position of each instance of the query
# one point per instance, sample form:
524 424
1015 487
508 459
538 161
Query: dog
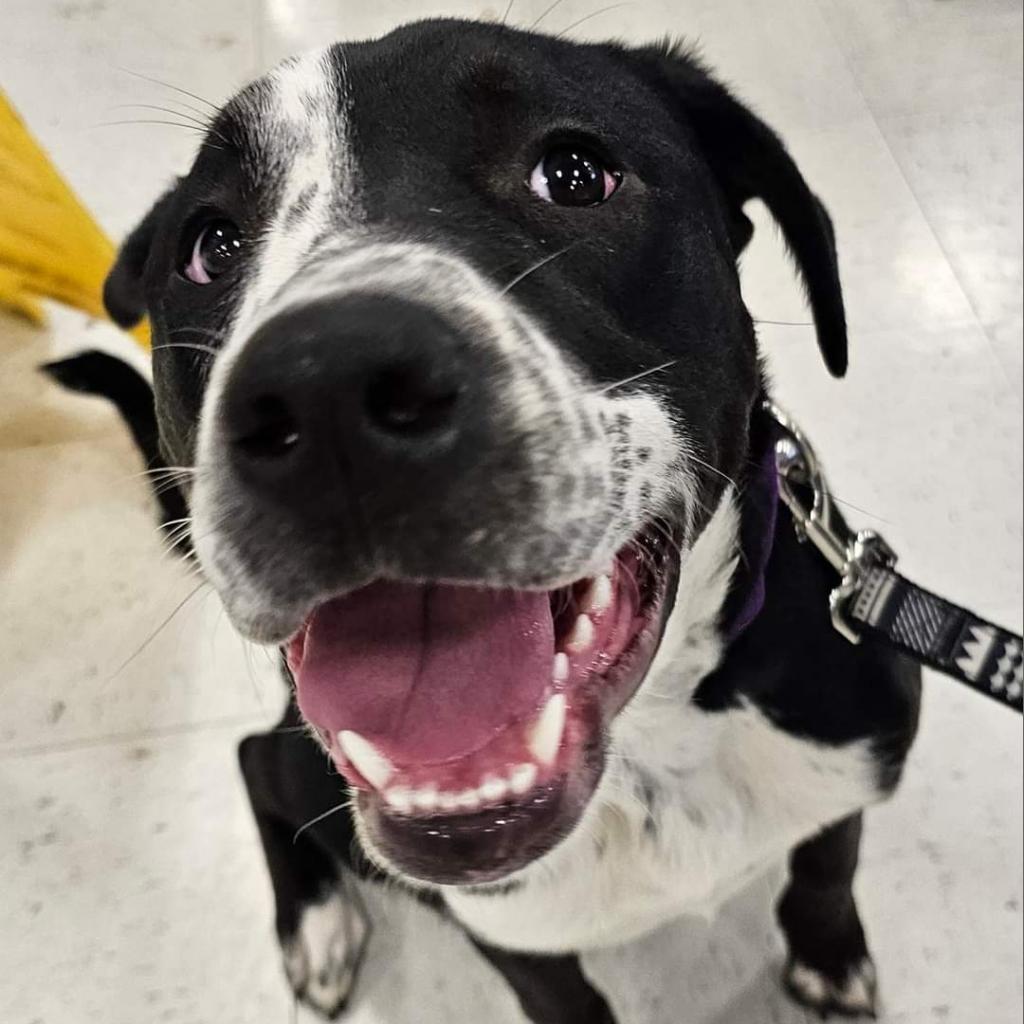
449 329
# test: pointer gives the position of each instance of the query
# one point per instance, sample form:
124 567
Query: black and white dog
449 327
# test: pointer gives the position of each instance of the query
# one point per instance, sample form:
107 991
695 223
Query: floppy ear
749 161
123 293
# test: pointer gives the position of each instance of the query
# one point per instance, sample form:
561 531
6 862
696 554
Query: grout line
116 738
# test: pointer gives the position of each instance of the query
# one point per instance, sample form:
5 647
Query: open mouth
472 722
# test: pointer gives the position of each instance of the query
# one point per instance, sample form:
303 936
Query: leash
872 599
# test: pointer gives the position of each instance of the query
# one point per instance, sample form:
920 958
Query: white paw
322 957
857 996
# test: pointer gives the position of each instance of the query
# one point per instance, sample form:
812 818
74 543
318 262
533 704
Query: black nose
361 380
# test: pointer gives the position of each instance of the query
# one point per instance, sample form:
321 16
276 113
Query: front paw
853 993
323 955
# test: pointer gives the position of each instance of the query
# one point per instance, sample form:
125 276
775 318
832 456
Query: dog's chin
472 723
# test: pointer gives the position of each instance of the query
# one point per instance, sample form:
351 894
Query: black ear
123 292
749 161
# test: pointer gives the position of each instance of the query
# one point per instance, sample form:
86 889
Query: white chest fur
631 866
692 804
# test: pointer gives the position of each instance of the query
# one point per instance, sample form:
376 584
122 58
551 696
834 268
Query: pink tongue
428 673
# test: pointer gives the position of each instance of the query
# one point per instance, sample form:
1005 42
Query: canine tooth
492 789
560 667
399 799
366 758
598 595
582 635
546 735
425 799
468 799
522 778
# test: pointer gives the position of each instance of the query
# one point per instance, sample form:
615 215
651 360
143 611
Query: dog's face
449 325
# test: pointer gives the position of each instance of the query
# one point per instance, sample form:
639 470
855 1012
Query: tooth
425 799
492 789
546 735
399 799
560 667
598 595
366 758
447 801
522 778
582 635
468 799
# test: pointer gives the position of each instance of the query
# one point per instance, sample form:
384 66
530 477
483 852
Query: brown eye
216 246
572 176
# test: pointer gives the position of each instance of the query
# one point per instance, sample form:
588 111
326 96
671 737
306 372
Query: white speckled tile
135 891
788 65
893 269
95 643
135 888
71 67
967 174
911 56
940 882
145 898
922 439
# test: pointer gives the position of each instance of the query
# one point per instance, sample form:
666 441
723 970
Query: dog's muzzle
402 480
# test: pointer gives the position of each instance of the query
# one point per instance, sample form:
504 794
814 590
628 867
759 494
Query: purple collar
759 504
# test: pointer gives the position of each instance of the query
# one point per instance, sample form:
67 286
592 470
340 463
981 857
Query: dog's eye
570 176
215 247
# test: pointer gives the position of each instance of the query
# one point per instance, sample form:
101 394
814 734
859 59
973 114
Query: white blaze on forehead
307 141
303 124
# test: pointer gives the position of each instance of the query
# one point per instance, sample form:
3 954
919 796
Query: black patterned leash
874 600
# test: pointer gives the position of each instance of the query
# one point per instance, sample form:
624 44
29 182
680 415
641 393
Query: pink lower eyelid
195 271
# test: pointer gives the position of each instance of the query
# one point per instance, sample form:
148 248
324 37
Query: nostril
402 401
270 431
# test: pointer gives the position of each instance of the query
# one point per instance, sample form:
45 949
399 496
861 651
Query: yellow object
50 246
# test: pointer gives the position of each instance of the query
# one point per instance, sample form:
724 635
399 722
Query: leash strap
940 634
874 600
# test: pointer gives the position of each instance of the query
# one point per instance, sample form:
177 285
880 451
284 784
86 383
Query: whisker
217 335
180 538
783 323
500 28
857 508
168 484
712 469
149 120
320 817
636 377
161 470
167 85
200 122
519 278
593 14
547 10
196 346
152 636
175 522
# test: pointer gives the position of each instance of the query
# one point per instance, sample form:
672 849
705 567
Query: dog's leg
829 967
320 921
550 989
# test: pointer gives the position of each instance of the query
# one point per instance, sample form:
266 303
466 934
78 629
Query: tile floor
132 888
